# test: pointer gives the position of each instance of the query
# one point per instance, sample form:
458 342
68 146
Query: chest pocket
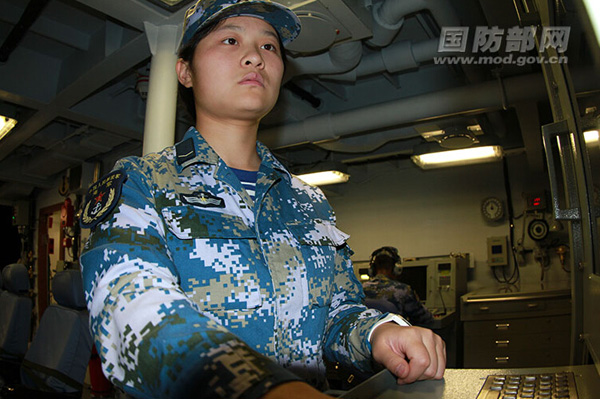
216 257
188 222
318 241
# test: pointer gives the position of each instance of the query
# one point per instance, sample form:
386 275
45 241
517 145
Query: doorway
50 251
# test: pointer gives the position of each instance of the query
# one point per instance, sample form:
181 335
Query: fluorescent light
458 157
591 136
6 124
324 178
593 11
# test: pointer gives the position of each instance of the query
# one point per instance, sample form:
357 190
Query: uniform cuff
401 321
278 376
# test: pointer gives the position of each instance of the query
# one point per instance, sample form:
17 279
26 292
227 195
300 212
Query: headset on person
390 252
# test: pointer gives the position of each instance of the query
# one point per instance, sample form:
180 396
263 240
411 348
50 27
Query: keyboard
536 386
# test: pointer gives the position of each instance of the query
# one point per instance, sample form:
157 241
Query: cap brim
282 19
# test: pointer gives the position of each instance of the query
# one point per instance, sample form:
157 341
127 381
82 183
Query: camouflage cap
285 22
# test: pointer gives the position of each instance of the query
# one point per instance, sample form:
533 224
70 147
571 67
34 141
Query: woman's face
236 70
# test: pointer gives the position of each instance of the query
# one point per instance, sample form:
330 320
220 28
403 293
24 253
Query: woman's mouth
252 78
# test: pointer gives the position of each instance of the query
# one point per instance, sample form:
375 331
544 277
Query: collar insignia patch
203 199
101 198
185 151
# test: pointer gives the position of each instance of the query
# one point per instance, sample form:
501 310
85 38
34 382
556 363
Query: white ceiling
70 78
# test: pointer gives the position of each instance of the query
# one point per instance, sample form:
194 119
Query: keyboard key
534 386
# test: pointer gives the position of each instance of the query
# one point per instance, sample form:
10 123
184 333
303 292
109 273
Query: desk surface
518 291
463 384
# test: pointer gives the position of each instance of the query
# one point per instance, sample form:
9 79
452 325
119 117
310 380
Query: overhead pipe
369 143
340 58
388 17
401 56
490 95
340 62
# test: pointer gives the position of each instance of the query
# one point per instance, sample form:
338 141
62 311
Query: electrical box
21 214
535 201
497 251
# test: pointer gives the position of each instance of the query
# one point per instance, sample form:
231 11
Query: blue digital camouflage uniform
402 296
193 287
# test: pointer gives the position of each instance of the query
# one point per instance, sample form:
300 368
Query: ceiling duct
327 22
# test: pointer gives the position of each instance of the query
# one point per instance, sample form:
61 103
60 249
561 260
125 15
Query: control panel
497 251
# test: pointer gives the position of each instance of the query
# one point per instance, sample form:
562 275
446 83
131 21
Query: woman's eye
230 40
270 47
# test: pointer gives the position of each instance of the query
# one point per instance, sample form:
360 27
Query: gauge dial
492 209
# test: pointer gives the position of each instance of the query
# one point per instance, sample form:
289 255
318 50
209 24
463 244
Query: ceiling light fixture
591 136
593 11
466 156
6 124
324 178
590 122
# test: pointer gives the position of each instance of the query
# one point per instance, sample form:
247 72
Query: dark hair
383 262
386 252
186 53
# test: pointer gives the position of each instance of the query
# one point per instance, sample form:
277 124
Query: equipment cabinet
522 328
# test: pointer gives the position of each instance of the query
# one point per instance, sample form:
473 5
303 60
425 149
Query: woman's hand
410 353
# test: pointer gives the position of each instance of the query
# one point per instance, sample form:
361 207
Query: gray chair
15 312
60 351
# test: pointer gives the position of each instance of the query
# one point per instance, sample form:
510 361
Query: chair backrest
383 305
15 312
60 351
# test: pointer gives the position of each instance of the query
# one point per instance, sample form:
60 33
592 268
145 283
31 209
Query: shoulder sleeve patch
101 198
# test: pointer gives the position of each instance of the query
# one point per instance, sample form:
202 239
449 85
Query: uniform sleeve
153 341
350 322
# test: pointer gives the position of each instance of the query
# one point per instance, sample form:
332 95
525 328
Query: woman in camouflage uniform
210 270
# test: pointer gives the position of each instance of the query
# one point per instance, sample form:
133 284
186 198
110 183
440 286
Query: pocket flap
318 232
188 222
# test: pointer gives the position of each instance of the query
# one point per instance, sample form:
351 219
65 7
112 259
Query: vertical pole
161 106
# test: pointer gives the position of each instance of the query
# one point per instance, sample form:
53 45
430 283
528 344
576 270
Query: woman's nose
254 58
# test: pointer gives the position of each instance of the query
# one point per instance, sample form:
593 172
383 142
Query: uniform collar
269 160
193 148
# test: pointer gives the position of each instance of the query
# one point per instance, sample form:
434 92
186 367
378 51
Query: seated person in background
384 286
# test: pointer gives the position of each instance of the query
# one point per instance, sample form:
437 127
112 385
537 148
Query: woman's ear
183 73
